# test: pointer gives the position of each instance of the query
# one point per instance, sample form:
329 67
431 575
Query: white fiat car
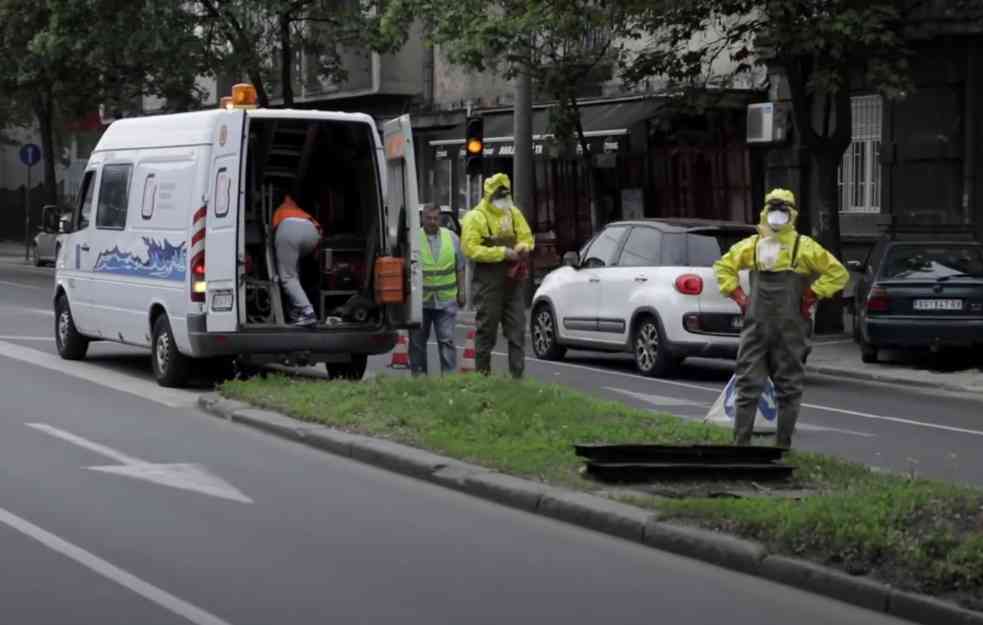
645 287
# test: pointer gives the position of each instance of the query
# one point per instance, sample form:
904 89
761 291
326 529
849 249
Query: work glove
809 300
511 254
740 297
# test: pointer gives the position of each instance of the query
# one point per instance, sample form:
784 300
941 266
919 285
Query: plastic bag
723 410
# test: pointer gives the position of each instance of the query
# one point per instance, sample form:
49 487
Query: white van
171 246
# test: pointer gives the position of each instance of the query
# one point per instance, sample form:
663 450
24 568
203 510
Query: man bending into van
295 235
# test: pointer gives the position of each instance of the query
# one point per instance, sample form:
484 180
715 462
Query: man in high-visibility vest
295 235
443 293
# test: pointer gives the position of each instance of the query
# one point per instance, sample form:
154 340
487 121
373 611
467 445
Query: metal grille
859 175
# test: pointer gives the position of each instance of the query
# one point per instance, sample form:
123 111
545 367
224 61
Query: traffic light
474 144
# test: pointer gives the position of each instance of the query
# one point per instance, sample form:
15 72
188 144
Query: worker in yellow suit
789 272
496 236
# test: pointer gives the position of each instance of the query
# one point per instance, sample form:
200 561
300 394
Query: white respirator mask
777 218
502 203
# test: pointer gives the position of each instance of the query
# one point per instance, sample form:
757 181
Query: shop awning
599 120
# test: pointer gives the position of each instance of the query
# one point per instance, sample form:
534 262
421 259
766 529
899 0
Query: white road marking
865 415
110 571
103 376
836 342
657 400
11 337
27 311
660 400
26 286
184 476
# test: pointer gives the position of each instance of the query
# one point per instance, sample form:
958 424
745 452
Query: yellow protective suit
813 259
486 221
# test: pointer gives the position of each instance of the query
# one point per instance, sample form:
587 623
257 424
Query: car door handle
84 247
595 279
641 279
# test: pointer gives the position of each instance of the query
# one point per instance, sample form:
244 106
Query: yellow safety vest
439 276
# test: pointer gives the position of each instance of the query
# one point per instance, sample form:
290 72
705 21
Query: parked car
645 287
918 294
47 243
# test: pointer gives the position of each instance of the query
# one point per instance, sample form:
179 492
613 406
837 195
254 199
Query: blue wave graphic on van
164 261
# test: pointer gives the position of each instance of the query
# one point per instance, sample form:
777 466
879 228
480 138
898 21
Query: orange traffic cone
467 358
401 354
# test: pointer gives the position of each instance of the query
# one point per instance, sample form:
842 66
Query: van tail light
689 284
878 300
389 280
198 284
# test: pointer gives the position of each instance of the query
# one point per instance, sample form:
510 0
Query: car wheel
544 337
171 367
651 357
71 345
353 370
868 352
35 255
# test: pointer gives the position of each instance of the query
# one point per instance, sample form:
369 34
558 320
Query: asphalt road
121 503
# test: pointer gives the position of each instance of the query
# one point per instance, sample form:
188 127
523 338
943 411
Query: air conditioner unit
765 123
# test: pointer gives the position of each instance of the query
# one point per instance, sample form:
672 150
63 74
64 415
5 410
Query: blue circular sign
767 405
30 154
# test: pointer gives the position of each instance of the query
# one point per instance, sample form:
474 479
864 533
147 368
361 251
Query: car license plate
938 304
737 323
222 301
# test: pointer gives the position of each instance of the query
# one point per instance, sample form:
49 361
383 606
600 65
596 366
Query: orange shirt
289 209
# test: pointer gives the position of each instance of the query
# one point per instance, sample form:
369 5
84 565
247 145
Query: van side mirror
50 218
571 259
855 266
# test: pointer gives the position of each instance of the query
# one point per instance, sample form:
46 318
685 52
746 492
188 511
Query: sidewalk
837 355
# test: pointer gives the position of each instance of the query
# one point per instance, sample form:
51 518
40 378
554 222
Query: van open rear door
403 217
222 220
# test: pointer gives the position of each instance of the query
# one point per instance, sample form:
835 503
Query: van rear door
403 216
221 233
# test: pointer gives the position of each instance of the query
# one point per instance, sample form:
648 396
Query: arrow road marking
110 571
184 476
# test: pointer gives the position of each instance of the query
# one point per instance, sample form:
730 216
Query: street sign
30 154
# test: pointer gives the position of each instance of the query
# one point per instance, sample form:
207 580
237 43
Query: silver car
47 243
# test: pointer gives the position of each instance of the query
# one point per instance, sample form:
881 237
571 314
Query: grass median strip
918 534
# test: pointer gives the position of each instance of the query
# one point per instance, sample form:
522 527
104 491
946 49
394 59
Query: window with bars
859 175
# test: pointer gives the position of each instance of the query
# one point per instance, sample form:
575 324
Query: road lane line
11 337
103 376
865 415
111 572
26 286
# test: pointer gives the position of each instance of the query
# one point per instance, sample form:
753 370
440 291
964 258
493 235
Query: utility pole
522 166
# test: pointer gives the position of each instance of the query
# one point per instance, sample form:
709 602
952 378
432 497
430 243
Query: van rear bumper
206 344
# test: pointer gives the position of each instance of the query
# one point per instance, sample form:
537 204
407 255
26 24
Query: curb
599 514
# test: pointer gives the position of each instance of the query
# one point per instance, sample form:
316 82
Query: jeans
443 322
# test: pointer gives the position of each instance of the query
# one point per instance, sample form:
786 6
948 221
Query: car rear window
918 262
706 247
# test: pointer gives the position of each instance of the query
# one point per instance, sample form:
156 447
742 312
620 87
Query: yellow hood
491 185
789 198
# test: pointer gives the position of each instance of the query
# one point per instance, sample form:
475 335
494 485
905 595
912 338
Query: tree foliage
263 39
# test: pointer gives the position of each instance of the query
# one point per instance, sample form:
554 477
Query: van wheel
544 343
353 370
651 357
71 345
171 367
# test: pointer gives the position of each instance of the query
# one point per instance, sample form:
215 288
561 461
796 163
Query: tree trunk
829 313
43 104
286 61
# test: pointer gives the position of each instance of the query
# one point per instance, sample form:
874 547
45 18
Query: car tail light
689 284
877 300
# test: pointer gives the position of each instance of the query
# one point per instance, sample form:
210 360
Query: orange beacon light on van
243 95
